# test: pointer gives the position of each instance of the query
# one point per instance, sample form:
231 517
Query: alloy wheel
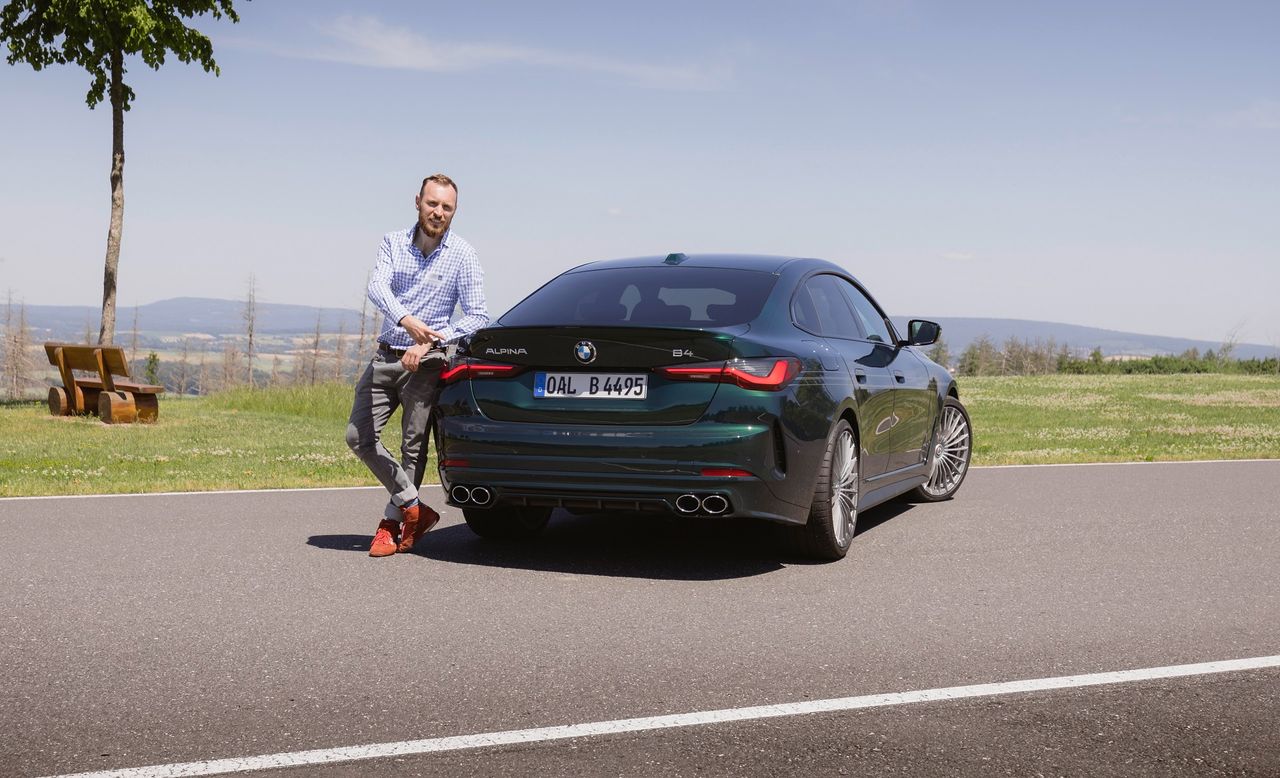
950 452
844 489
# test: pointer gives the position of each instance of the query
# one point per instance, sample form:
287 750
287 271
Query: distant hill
167 321
959 332
192 315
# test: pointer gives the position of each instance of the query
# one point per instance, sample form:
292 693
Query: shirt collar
444 239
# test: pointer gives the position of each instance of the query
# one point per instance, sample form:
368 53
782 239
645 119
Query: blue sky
1109 164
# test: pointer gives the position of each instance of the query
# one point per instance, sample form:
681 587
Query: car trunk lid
593 374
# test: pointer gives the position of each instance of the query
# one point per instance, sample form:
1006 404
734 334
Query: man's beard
432 230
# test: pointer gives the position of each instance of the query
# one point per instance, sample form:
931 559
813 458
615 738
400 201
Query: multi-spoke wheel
949 458
834 515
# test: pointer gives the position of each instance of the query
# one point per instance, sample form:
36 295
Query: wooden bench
115 401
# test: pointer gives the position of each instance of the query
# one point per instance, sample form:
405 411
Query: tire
501 523
949 454
833 518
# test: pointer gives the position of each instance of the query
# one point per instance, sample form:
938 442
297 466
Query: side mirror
923 333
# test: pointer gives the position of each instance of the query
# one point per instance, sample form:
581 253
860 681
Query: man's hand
420 332
413 356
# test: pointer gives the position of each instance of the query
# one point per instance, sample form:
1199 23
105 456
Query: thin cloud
368 42
1259 115
957 256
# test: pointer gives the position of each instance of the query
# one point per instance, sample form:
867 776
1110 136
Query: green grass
238 440
294 437
1123 418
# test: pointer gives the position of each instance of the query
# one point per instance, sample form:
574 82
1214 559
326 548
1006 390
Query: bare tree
315 353
202 385
231 366
250 317
340 353
18 365
7 377
10 352
274 378
1229 344
364 317
133 339
183 365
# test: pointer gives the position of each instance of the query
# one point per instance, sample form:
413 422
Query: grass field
294 437
1135 418
237 440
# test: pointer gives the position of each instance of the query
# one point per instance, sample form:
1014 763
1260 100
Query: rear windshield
652 296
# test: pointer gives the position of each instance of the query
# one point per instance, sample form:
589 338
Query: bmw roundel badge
585 351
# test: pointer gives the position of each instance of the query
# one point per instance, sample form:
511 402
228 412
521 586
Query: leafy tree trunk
107 334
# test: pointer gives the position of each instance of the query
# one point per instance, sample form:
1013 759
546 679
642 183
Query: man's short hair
438 178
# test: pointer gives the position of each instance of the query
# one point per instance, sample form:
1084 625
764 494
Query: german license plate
616 386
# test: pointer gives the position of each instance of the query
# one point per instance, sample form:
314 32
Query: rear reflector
479 370
769 374
726 472
455 463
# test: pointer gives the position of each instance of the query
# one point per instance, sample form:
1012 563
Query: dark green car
709 385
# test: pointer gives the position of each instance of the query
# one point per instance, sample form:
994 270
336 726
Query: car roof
761 262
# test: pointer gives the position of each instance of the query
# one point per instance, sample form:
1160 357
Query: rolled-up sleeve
380 293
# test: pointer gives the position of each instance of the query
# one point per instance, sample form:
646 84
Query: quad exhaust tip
712 504
715 504
471 495
688 503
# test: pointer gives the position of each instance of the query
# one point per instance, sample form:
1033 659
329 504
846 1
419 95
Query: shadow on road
341 542
623 545
626 546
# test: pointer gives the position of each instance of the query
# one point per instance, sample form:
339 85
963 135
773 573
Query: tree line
196 369
982 357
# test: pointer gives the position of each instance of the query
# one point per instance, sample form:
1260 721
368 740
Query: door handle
860 375
899 377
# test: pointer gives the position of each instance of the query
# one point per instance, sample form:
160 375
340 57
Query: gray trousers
385 386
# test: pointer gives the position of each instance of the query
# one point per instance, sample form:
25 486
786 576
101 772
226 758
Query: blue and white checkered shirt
404 283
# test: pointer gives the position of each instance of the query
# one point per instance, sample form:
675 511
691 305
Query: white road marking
437 486
203 494
592 729
1125 464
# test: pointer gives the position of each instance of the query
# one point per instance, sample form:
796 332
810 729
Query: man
422 274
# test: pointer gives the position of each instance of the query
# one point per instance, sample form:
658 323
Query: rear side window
871 319
650 296
821 308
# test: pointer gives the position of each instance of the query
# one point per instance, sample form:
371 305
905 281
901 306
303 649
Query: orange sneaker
384 540
418 518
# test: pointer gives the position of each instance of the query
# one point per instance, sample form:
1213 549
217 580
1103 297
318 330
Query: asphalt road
169 629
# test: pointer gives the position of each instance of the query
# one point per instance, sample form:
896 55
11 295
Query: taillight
769 373
479 370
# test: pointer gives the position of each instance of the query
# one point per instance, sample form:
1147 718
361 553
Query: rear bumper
611 468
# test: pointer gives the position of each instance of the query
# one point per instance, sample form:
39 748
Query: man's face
436 204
